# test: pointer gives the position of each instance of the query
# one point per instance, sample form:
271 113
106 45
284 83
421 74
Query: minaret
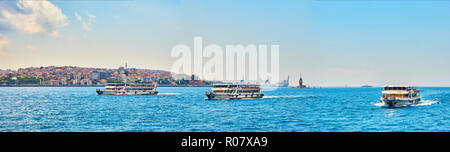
126 69
126 73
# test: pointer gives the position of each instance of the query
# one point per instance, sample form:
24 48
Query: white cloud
32 17
4 42
86 23
31 47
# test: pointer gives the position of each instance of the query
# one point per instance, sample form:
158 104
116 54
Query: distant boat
366 86
284 83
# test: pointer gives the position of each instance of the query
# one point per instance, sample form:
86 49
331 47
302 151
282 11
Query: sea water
184 109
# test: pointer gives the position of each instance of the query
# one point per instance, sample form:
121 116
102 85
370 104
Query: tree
113 81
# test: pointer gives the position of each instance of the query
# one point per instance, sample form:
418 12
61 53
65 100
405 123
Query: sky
328 42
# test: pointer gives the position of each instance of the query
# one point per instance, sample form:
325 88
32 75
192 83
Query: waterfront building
86 82
300 83
94 75
52 82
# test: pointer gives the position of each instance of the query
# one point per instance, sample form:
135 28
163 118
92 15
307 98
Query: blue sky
331 43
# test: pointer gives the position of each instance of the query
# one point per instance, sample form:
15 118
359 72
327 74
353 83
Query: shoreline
96 86
5 86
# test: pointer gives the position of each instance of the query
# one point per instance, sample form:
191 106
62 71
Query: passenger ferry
128 89
234 91
399 96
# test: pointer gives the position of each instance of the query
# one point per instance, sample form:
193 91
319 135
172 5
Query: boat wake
422 103
289 96
378 104
168 94
426 103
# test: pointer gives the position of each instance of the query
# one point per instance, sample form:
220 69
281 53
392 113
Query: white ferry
128 89
234 91
399 96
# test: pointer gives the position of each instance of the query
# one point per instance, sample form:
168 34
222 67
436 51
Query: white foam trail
169 94
426 103
422 103
378 104
288 96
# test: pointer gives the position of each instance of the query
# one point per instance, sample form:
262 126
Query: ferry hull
103 92
213 96
398 103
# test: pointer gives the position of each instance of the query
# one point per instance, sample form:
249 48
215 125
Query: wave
421 103
378 104
169 94
289 96
426 103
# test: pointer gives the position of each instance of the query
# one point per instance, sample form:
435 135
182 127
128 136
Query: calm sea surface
184 109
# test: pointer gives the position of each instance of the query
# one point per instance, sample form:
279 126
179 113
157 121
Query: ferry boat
234 91
128 89
399 96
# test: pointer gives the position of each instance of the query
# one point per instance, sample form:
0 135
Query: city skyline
86 76
329 43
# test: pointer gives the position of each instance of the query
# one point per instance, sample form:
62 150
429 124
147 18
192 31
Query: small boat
234 91
366 86
399 96
128 89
